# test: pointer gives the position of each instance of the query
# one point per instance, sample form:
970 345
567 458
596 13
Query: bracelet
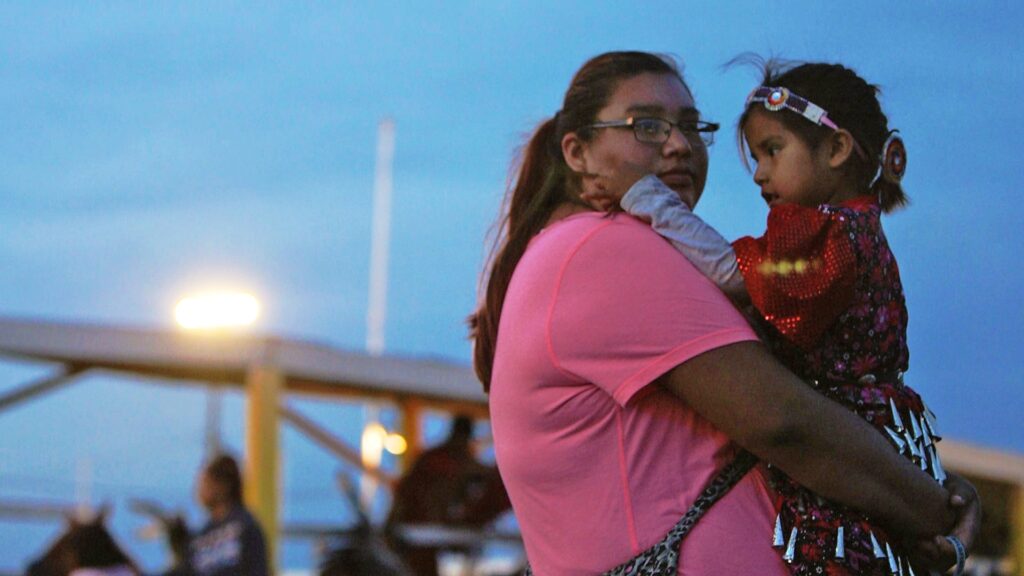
961 554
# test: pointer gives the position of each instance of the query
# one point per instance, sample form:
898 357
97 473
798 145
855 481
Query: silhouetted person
231 543
445 485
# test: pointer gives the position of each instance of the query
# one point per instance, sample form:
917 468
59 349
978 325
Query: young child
823 283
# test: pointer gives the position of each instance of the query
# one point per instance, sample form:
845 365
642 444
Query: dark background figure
178 540
231 543
446 485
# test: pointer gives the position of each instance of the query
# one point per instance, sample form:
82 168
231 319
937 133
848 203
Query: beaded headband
777 98
892 161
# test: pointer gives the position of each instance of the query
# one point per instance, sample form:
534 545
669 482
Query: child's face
788 171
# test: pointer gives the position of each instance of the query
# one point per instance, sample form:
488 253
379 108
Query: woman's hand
605 189
938 553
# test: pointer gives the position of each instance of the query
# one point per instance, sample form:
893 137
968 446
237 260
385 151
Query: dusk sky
152 150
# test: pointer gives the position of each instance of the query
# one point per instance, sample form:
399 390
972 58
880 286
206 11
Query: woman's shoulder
587 227
604 238
595 244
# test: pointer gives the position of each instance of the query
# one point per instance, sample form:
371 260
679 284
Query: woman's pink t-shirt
599 464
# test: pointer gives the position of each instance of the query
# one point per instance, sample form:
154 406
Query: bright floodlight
220 310
372 445
396 444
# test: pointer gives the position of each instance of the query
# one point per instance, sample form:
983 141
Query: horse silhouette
84 548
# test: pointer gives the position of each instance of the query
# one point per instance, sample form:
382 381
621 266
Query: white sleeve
651 200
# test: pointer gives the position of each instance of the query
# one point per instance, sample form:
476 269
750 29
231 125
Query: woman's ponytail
531 198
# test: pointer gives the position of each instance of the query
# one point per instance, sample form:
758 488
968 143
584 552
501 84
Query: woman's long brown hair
543 181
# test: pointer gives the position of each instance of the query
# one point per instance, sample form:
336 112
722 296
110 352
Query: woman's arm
651 200
754 400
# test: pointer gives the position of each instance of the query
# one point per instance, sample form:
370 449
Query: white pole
376 311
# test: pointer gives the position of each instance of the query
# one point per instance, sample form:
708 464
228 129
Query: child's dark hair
851 103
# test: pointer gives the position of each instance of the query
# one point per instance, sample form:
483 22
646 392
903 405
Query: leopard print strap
662 559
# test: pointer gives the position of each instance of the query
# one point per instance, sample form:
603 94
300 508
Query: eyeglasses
658 130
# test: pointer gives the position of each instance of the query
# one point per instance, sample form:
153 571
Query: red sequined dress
827 289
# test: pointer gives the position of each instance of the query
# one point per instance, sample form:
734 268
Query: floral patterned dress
827 291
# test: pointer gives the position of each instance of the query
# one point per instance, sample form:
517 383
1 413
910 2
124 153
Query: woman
618 374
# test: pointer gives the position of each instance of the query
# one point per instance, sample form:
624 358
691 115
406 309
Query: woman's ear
841 146
574 151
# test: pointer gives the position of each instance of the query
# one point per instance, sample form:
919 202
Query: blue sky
151 150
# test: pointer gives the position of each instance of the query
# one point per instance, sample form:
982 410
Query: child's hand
602 199
605 189
938 553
